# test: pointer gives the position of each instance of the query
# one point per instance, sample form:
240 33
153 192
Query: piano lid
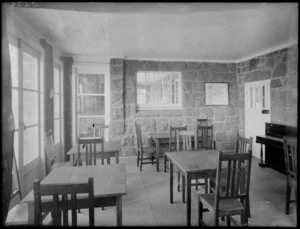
279 130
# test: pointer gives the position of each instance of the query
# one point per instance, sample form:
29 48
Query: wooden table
109 186
111 149
159 138
193 165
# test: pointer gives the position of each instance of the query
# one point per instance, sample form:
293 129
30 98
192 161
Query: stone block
280 70
208 112
117 98
116 70
176 122
171 113
292 66
194 65
257 75
276 83
269 62
117 127
230 110
219 126
129 127
189 100
116 61
162 125
165 66
149 125
130 82
147 113
219 67
117 85
253 64
117 113
189 112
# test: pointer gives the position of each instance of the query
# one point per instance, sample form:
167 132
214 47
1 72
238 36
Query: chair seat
226 206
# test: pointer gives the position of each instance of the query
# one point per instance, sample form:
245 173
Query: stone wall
282 68
194 74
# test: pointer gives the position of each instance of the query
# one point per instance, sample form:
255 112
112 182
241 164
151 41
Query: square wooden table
110 149
193 165
109 186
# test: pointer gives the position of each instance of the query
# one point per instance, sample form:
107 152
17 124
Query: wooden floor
147 200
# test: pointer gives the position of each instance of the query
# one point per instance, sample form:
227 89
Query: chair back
174 144
98 130
243 145
205 137
91 146
202 122
238 167
61 203
290 155
139 140
49 151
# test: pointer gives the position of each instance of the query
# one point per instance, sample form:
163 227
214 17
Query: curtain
7 121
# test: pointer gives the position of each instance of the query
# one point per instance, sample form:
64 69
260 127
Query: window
158 90
58 105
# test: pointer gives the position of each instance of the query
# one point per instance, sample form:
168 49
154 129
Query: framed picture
216 93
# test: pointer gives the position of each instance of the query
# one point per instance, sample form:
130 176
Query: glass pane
86 126
31 140
56 80
56 131
16 146
263 97
15 106
30 71
91 83
13 50
91 105
251 97
15 185
56 106
30 104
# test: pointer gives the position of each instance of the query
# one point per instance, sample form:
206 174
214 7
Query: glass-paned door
90 103
26 100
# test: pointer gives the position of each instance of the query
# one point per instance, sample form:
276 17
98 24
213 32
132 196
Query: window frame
161 106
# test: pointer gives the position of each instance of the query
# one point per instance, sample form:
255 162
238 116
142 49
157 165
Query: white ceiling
173 31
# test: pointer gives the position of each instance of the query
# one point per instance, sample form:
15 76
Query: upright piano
273 141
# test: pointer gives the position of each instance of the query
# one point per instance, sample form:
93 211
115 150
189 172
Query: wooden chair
290 155
173 144
232 201
61 203
204 138
242 145
143 149
50 157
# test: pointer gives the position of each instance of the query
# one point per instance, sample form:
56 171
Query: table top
108 147
194 161
109 180
159 135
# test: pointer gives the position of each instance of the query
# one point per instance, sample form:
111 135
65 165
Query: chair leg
152 159
196 183
141 161
287 199
248 207
178 181
228 221
138 158
216 218
165 162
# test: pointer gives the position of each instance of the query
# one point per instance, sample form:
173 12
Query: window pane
91 105
13 50
15 185
15 106
56 80
56 131
56 106
16 146
30 71
30 104
86 126
158 88
91 83
31 140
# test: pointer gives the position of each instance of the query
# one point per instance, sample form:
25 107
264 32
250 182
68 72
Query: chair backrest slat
202 121
60 206
243 145
238 176
90 145
174 143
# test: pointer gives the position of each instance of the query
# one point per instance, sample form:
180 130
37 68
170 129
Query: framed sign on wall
216 93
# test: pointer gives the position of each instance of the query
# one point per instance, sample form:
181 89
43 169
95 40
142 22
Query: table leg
183 188
119 210
261 164
30 218
188 201
157 154
171 180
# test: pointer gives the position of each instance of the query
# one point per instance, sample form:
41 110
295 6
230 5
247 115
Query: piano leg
261 164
